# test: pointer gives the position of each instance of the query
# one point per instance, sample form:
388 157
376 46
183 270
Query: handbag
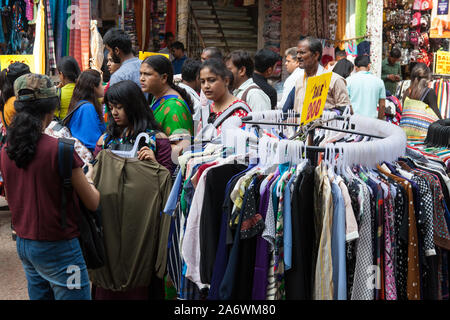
417 116
91 230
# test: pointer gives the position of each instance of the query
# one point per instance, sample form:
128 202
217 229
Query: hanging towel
360 19
341 7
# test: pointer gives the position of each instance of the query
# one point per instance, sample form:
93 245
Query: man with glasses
309 53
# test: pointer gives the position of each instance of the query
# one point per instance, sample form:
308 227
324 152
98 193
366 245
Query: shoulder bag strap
228 112
65 159
244 95
66 119
425 94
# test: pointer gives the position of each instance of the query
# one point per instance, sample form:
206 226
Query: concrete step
221 11
213 26
231 44
229 36
228 32
222 17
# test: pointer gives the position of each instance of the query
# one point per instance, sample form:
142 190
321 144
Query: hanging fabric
342 8
97 47
84 6
171 17
375 34
360 19
75 33
39 42
50 41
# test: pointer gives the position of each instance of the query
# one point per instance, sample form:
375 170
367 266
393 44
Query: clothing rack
312 151
318 127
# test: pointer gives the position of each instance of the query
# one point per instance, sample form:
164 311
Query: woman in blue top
84 116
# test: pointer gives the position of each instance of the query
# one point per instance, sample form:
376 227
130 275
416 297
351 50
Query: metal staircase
228 28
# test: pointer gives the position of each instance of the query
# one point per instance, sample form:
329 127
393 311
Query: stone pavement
13 284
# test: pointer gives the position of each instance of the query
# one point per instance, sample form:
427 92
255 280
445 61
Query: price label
442 62
315 97
6 60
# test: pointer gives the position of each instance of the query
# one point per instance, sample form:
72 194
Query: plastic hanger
132 152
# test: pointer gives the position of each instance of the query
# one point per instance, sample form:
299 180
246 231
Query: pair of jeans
55 270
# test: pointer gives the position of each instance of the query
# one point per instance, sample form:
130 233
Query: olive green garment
132 197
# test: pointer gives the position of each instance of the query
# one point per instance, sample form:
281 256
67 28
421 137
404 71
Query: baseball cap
41 86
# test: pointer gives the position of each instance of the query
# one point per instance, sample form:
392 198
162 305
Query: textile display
375 34
85 30
360 19
342 8
50 40
301 231
442 89
294 22
317 21
39 41
272 25
332 19
97 47
74 38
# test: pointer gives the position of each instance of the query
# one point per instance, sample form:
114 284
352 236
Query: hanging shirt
338 244
136 231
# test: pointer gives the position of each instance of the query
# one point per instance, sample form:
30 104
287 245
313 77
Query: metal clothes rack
311 151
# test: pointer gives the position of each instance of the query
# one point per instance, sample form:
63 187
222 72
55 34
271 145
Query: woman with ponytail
69 71
419 89
29 165
171 104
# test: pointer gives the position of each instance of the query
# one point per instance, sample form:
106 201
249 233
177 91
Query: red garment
34 194
171 18
199 172
239 112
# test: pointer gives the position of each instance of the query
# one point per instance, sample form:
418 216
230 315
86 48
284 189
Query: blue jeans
55 270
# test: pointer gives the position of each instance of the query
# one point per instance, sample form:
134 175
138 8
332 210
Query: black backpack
91 230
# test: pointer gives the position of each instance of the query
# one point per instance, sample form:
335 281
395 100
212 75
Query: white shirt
257 99
289 83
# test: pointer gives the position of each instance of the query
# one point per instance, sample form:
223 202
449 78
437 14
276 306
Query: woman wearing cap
7 78
50 254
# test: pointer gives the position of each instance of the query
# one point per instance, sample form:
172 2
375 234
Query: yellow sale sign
315 97
442 62
143 55
6 60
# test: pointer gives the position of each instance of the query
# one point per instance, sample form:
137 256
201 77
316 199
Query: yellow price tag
143 55
315 97
6 60
442 62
